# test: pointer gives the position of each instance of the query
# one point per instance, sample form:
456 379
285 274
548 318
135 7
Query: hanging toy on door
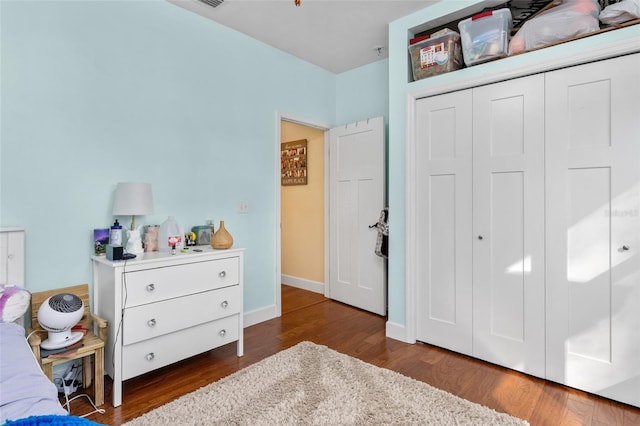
382 241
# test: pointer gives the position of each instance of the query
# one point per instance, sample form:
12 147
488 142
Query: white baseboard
304 284
260 315
397 332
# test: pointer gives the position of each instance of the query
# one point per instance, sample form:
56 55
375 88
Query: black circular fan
65 302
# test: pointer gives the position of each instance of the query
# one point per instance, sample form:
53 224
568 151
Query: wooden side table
91 344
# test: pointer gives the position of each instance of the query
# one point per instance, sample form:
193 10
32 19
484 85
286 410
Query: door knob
480 237
625 248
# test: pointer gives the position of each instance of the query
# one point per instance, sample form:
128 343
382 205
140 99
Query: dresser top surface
195 253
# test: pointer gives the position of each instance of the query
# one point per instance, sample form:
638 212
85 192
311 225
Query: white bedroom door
357 276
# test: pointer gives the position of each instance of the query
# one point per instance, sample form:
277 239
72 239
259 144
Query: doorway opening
301 211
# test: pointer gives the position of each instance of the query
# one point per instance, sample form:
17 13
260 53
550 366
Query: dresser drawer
149 355
155 319
153 285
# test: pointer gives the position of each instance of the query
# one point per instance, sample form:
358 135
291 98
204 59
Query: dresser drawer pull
222 274
151 287
151 322
222 333
150 356
224 304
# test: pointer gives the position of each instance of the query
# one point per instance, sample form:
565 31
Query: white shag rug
309 384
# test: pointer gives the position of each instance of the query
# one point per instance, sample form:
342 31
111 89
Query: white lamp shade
133 199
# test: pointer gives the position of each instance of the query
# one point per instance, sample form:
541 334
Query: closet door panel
593 227
508 224
506 256
443 225
588 248
441 209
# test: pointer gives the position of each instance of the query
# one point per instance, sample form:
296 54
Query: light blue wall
363 93
95 93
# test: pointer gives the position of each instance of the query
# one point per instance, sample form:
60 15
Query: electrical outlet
244 207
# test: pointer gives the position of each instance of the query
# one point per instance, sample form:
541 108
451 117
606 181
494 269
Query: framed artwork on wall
293 162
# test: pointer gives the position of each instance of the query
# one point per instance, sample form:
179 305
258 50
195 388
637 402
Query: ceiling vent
212 3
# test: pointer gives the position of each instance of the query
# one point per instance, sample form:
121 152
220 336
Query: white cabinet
525 242
480 222
163 308
593 227
12 256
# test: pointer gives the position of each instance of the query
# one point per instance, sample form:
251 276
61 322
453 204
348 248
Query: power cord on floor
67 404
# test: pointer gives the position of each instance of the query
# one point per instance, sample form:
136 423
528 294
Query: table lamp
133 199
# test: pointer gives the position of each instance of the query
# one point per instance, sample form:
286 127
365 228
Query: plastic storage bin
485 36
559 23
435 55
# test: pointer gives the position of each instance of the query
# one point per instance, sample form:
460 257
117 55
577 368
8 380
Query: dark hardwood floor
309 316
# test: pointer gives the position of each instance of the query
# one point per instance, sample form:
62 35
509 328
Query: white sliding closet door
593 227
443 223
508 224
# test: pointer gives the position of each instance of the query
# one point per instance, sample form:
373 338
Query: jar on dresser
163 308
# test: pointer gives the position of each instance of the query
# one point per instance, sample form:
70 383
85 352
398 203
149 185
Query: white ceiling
337 35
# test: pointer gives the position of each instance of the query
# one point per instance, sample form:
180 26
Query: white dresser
163 308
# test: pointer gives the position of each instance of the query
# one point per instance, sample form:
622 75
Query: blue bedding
51 421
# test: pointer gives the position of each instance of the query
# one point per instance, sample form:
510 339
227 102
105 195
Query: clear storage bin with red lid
485 36
436 54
